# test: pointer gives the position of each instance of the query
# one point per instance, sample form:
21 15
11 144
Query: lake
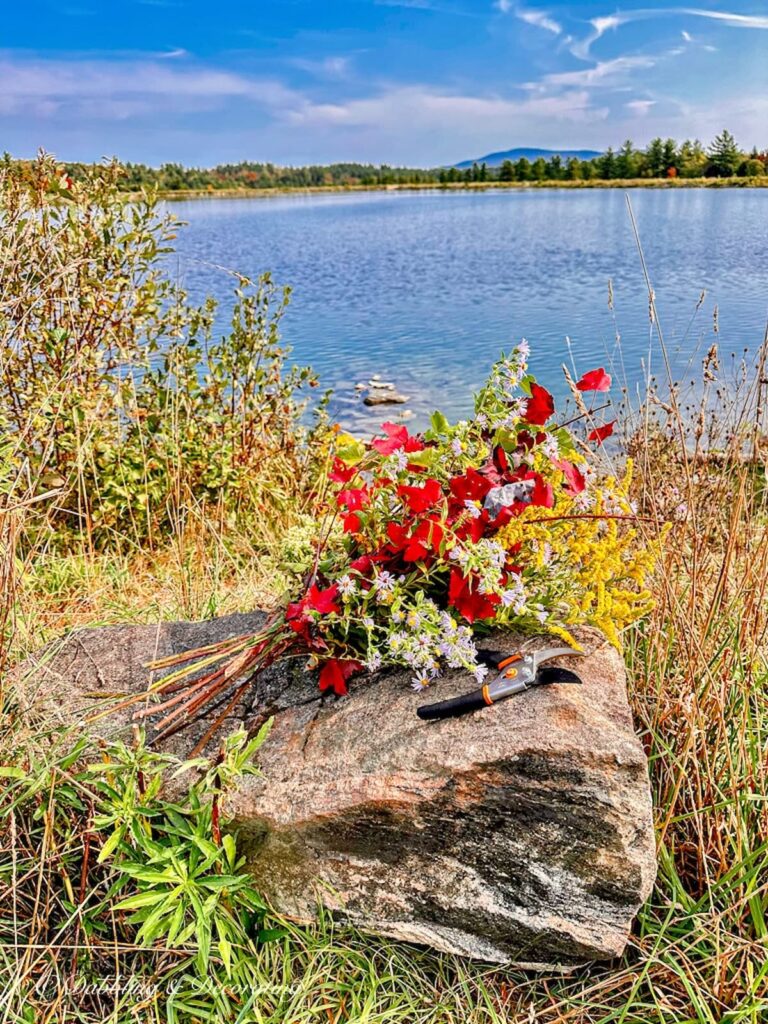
426 288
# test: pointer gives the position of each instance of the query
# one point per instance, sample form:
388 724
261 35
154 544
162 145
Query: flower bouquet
426 541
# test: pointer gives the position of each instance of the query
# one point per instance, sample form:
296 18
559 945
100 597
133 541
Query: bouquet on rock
427 541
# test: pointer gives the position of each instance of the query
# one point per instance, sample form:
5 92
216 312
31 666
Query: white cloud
417 105
759 21
687 36
604 74
328 67
100 88
640 108
540 19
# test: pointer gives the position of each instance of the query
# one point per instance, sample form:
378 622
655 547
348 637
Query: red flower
322 601
335 673
419 499
540 405
354 498
397 437
574 478
468 601
471 486
599 434
351 523
595 380
341 473
423 542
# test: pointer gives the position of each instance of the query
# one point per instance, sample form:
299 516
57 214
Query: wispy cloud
541 19
327 67
640 108
611 22
759 21
102 88
440 111
603 74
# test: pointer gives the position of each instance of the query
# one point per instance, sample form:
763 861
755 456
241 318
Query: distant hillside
496 159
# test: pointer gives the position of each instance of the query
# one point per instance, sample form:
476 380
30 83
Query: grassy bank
465 186
154 492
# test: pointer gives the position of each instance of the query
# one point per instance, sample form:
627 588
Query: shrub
119 400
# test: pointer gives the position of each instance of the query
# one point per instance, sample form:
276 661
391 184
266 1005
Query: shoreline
459 186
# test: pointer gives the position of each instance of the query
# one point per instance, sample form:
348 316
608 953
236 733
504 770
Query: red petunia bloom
341 473
335 673
419 545
599 434
467 600
470 486
595 380
397 437
419 499
354 498
540 405
315 600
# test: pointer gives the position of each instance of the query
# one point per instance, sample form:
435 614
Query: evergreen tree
507 171
724 155
669 155
539 169
626 161
555 167
608 165
523 169
654 158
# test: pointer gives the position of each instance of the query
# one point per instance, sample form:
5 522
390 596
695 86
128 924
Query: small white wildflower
373 663
347 586
368 622
541 614
420 681
480 672
473 507
456 446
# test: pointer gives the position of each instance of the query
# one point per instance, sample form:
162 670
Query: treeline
661 158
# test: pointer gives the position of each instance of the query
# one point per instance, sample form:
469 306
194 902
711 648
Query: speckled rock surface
521 833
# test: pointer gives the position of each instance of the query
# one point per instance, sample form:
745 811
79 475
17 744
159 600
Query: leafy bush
119 398
96 863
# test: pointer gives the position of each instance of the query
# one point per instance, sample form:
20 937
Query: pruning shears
515 674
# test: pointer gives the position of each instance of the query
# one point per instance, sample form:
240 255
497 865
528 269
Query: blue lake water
426 288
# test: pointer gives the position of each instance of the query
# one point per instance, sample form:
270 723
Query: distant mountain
496 159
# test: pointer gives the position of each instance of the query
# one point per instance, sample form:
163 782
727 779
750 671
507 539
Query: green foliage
724 155
122 866
123 404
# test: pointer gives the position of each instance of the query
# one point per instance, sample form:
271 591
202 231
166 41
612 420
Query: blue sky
419 82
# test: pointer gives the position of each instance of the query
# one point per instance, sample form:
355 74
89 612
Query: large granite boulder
520 833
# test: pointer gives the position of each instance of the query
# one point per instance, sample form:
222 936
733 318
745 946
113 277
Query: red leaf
341 473
595 380
471 486
322 601
599 434
468 602
419 499
354 498
574 478
540 405
335 673
351 523
397 437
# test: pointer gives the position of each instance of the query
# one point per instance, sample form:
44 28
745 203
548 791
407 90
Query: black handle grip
452 708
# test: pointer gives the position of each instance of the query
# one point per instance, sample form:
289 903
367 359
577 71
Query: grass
699 691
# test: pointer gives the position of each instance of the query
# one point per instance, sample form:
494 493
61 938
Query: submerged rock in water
520 833
387 396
